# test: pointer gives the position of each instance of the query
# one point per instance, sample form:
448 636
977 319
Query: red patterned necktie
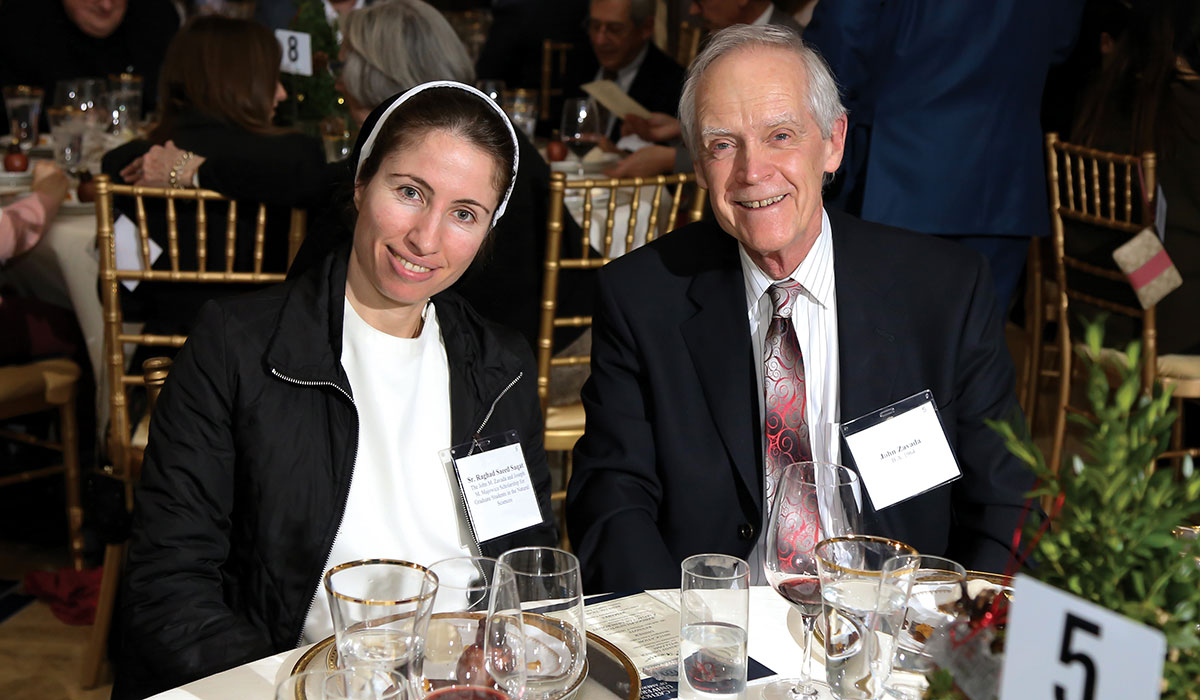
785 424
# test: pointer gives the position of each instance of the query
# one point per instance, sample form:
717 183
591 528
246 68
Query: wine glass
580 127
551 593
475 646
813 501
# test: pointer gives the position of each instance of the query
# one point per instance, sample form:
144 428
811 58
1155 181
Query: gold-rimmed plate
606 664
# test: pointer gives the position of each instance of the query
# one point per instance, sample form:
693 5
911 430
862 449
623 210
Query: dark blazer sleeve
614 495
988 500
175 623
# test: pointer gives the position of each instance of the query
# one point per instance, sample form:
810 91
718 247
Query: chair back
1093 195
554 67
195 269
688 43
645 207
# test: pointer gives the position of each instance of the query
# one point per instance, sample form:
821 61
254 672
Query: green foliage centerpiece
1113 514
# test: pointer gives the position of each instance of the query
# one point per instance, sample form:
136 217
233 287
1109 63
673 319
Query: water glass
937 586
714 616
865 583
85 94
521 107
380 611
475 645
24 106
336 139
125 102
347 684
551 593
67 128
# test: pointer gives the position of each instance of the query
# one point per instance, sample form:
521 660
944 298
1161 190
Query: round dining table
774 631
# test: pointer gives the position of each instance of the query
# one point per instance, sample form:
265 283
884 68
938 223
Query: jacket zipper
475 441
342 514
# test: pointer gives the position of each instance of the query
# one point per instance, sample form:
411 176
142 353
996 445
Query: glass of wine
380 610
813 501
580 127
551 593
475 646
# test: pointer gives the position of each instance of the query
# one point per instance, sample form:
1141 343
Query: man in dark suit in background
945 100
620 32
674 460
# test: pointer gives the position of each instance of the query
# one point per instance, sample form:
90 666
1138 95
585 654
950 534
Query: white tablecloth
774 629
62 269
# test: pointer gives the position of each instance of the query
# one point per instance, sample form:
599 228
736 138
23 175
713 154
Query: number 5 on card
1060 647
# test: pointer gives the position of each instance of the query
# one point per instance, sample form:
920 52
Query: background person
300 425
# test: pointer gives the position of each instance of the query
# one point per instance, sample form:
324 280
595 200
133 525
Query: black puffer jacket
248 470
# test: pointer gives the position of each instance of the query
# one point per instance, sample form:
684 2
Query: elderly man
620 32
674 460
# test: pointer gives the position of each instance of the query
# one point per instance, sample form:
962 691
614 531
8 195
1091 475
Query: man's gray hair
397 45
824 103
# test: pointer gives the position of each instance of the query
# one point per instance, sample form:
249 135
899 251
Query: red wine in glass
580 146
804 592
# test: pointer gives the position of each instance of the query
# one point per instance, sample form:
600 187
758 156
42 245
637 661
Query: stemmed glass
551 593
813 501
580 126
475 646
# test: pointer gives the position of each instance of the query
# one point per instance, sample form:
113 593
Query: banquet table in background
63 269
774 629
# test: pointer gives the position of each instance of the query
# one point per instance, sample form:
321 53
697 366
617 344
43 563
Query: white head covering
381 113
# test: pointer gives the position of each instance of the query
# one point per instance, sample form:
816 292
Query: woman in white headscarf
301 426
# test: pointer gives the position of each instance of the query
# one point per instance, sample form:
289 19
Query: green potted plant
1113 515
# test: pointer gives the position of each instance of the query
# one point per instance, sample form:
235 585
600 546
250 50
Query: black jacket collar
306 345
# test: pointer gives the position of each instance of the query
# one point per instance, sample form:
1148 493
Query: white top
403 501
814 316
625 78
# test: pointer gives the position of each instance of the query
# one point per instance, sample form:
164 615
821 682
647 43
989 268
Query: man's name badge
901 450
494 482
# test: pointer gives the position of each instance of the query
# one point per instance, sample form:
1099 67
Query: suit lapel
718 340
868 322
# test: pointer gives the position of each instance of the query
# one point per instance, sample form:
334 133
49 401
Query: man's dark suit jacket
671 464
656 86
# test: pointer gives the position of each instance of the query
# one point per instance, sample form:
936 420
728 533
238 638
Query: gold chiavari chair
36 387
554 67
688 43
1100 191
125 445
564 423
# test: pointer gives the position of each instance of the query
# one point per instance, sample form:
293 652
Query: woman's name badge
901 450
494 482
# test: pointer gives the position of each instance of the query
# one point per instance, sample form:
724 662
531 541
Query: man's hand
645 162
658 127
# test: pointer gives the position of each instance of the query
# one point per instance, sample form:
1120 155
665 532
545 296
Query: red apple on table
15 161
556 151
87 187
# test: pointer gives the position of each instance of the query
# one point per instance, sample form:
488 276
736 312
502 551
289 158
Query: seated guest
89 38
301 425
220 86
620 32
674 459
662 126
390 47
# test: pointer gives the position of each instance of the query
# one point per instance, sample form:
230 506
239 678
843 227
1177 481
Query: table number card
1066 648
297 52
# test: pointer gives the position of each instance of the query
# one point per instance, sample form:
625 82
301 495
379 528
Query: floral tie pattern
785 425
